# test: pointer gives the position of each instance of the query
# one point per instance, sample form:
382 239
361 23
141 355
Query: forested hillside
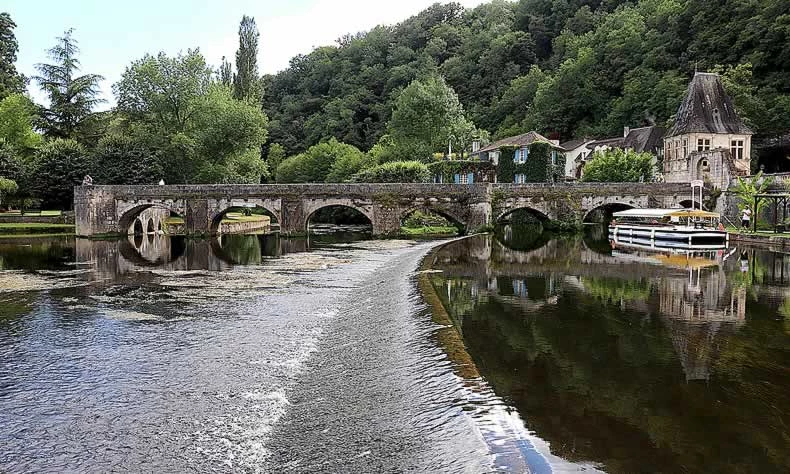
565 67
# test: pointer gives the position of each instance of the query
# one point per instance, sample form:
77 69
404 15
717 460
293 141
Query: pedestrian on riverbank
746 217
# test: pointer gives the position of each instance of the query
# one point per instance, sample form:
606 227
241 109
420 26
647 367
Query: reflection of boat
691 227
646 243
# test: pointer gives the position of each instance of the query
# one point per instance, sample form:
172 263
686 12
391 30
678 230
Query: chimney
626 130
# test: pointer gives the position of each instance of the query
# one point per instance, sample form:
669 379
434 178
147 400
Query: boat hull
687 235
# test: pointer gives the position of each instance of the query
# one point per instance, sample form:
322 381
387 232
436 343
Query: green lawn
34 225
429 230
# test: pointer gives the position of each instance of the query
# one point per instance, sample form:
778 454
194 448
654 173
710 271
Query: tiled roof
575 143
524 139
707 109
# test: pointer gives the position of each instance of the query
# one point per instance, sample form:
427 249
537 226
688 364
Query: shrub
395 172
619 166
60 165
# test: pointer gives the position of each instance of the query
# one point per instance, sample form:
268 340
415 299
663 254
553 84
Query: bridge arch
310 211
131 215
450 216
216 220
541 215
603 213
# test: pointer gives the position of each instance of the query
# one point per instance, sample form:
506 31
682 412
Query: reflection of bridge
111 209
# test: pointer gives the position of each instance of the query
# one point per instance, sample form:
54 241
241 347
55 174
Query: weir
105 210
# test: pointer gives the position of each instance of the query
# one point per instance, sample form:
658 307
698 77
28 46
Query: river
520 352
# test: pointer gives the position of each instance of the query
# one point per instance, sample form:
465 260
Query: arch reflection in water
629 360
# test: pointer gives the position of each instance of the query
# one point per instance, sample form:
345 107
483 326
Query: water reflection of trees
600 354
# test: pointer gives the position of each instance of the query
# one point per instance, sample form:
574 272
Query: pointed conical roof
707 109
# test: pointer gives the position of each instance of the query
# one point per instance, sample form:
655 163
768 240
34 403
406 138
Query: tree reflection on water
641 363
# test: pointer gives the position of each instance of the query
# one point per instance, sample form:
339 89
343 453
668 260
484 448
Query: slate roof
707 109
575 143
524 139
643 139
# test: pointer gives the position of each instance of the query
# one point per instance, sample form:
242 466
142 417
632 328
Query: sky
112 34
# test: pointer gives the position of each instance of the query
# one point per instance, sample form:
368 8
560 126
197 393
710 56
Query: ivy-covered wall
536 169
483 170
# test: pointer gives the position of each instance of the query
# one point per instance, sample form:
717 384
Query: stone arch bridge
113 209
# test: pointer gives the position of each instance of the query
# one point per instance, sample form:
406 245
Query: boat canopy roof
659 213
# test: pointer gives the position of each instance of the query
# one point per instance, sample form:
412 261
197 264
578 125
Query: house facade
576 154
708 140
521 146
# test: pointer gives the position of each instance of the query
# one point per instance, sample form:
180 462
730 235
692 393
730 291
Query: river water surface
516 353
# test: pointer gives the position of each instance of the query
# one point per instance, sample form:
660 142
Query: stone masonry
101 210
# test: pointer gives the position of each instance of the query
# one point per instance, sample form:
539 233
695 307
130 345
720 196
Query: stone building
708 140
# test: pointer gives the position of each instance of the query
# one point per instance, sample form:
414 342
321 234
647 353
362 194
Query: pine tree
71 98
11 82
246 83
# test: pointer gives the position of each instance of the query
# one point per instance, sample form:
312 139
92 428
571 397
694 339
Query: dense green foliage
246 82
7 186
72 97
619 166
447 169
60 165
395 172
123 160
566 68
538 167
428 117
17 114
748 188
202 134
330 161
11 82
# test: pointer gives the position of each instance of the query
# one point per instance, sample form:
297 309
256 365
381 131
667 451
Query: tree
7 187
275 156
229 135
163 91
60 165
72 98
328 161
426 118
226 73
748 188
17 113
246 82
11 82
395 172
618 166
123 160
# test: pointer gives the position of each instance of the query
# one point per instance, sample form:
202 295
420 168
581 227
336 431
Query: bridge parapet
110 209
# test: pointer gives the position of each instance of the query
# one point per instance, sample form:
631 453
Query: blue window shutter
457 178
470 178
515 156
525 152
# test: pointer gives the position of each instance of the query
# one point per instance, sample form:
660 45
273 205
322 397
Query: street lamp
450 146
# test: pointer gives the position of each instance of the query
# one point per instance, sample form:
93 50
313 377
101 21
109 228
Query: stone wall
111 209
64 218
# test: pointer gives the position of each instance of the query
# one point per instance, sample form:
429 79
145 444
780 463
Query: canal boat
690 228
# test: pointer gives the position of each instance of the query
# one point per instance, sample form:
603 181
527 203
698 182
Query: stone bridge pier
103 210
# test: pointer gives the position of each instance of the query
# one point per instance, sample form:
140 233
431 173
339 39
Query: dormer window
736 149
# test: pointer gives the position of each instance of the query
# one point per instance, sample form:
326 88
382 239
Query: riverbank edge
448 337
777 242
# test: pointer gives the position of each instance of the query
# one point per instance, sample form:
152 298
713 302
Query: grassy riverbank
33 228
429 230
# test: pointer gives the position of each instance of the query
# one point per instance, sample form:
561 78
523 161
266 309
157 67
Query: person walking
746 218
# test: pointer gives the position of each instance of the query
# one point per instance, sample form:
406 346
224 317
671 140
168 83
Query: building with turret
708 140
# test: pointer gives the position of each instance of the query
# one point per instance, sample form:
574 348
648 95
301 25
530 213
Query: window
520 178
464 178
736 149
521 155
685 147
553 157
703 144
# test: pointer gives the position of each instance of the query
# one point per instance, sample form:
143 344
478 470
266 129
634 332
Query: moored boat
692 227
